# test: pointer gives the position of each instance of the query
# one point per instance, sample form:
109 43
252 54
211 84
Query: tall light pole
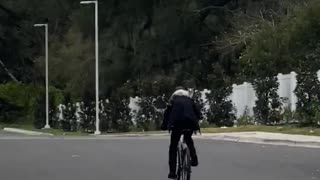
97 132
47 126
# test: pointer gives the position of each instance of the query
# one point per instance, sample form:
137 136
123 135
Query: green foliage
9 112
120 114
221 108
71 64
308 94
17 94
56 97
268 105
245 119
27 103
288 116
149 47
22 97
148 118
88 117
204 124
292 45
105 116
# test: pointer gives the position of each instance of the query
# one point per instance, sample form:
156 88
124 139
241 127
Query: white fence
243 96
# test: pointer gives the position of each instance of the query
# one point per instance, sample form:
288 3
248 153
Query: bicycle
184 159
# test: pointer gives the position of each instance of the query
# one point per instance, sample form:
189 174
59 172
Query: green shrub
308 94
221 108
287 116
204 124
245 119
26 103
22 98
8 112
268 105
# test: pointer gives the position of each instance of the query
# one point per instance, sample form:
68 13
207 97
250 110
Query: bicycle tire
179 162
184 170
187 164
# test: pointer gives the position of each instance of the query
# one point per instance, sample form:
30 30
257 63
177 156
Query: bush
40 110
20 99
268 105
56 97
120 114
201 105
88 117
287 116
204 124
105 116
221 108
245 119
9 112
146 117
308 94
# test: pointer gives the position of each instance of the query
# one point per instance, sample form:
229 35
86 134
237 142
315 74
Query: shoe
194 161
172 176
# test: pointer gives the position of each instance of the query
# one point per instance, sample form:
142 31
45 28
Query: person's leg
175 137
190 144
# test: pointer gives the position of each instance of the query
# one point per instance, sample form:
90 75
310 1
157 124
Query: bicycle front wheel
184 171
187 165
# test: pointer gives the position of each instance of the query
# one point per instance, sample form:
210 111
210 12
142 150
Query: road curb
232 137
256 140
26 132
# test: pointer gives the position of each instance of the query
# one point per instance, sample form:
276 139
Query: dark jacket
181 113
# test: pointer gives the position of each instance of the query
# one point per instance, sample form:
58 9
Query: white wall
244 95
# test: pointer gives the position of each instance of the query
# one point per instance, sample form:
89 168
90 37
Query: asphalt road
146 159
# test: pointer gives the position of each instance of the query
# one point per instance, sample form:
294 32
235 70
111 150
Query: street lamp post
47 126
97 132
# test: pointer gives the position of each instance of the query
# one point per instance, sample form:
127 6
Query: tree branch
8 72
212 7
8 11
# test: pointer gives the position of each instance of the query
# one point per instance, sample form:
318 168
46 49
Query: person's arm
164 125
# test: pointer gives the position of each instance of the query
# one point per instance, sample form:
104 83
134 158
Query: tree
268 105
292 45
221 108
308 94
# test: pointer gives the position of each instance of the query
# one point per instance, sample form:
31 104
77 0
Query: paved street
145 159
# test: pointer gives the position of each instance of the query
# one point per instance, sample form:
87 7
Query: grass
273 129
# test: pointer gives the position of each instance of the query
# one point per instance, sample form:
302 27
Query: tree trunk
8 72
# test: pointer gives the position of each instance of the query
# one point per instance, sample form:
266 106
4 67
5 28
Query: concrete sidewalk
243 137
26 132
267 138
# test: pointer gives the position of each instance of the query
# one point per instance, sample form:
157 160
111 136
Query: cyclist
181 113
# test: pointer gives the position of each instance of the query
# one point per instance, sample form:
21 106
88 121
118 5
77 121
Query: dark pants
175 137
